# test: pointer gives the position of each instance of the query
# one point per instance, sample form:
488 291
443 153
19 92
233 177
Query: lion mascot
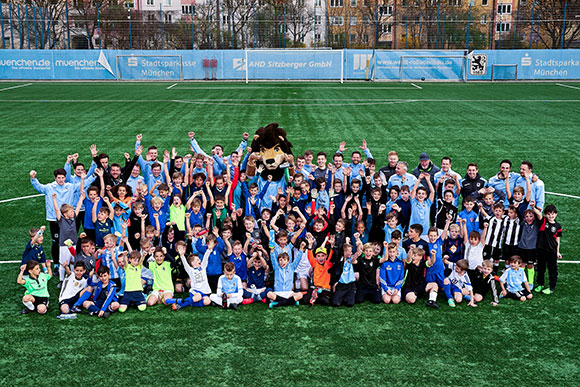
271 156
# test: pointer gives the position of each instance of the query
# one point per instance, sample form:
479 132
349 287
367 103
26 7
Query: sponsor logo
360 61
132 62
526 60
478 64
239 64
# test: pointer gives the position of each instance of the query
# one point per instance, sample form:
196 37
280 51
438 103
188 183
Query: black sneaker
106 314
224 301
432 304
234 306
25 311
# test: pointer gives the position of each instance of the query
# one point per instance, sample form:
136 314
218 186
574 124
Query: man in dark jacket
472 183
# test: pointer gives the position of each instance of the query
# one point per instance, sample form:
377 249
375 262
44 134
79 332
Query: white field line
20 198
568 86
418 87
15 87
175 84
565 195
293 87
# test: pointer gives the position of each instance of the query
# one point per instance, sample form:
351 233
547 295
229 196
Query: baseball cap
320 250
424 157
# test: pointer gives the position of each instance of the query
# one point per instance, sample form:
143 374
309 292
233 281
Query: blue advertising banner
529 64
288 64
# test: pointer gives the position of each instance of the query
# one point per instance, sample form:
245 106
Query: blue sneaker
272 304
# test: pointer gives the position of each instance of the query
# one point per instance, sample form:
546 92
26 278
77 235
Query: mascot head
272 145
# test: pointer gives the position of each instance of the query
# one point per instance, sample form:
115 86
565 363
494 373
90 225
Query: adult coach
538 194
497 182
390 169
401 177
65 194
426 166
472 183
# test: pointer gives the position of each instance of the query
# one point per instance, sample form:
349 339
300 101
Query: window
366 20
187 9
456 3
504 9
337 3
318 20
353 20
168 18
317 37
502 27
386 10
352 38
336 20
167 2
366 3
150 2
353 3
150 17
483 19
387 28
365 39
318 3
484 3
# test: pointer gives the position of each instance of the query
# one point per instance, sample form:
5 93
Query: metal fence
235 24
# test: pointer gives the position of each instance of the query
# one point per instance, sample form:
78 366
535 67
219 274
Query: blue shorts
455 289
99 304
136 297
435 277
200 302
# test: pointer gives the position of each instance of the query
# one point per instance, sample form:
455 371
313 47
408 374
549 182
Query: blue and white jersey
392 275
347 275
389 232
106 258
65 194
450 172
472 220
240 264
459 281
134 182
438 266
513 279
230 286
420 212
284 277
499 185
277 250
407 179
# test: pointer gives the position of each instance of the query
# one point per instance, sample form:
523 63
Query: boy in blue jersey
99 299
471 217
391 226
453 246
391 276
458 285
33 250
256 289
403 207
229 291
212 249
237 255
284 279
434 275
345 288
396 239
421 201
516 281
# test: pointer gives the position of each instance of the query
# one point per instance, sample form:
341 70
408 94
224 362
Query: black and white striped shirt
495 231
512 232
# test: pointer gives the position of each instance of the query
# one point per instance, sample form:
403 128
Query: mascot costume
271 156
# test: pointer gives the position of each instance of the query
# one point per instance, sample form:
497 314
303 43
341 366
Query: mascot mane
273 146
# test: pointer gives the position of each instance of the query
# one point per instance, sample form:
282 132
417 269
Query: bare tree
549 26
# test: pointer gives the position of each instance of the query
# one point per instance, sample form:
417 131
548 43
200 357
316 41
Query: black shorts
490 252
518 295
69 301
528 255
510 251
418 292
135 297
40 301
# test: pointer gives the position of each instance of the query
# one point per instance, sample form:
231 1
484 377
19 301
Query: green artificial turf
535 343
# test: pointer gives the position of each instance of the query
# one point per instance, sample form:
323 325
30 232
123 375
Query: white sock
29 305
61 272
432 296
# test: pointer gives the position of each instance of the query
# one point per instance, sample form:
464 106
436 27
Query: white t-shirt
474 255
71 286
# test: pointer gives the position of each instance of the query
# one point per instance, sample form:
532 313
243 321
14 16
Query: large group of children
196 230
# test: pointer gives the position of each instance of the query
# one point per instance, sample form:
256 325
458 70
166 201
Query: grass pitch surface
535 343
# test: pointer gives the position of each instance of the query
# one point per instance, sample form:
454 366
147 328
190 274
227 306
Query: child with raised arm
391 276
133 283
33 250
237 254
529 240
229 292
199 290
321 262
434 275
256 289
473 247
494 235
345 288
469 215
36 285
367 269
72 287
283 293
457 285
212 248
421 203
515 279
103 221
68 233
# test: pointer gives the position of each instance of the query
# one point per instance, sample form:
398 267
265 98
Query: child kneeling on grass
199 290
457 285
36 284
229 291
133 283
101 299
283 293
514 277
71 289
